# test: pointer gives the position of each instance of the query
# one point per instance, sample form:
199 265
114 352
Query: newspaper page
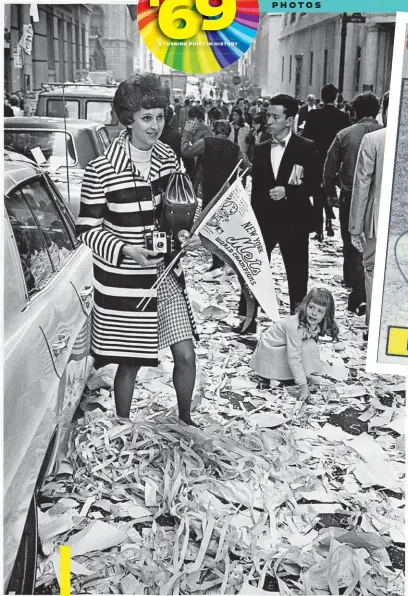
388 341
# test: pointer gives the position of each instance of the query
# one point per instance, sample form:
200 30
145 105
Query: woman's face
147 127
235 116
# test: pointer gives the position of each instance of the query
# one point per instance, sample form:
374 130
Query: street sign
236 79
356 17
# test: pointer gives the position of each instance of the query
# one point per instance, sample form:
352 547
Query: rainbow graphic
206 51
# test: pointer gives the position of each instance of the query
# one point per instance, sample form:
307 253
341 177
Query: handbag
179 204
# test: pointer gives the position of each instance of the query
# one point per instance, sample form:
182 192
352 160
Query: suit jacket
365 200
322 125
296 209
303 114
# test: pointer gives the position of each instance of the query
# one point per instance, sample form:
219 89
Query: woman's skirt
271 362
174 321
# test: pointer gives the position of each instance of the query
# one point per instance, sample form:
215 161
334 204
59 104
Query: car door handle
61 344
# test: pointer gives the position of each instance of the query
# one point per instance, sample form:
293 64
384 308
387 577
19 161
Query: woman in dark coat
121 203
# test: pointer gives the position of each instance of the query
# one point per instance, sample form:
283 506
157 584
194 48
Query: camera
160 242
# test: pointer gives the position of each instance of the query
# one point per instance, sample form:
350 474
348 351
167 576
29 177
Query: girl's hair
139 91
322 297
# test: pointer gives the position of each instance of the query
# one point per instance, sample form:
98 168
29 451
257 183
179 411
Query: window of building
61 49
302 14
97 21
70 55
77 47
283 67
83 48
311 69
50 37
292 17
290 69
358 69
325 63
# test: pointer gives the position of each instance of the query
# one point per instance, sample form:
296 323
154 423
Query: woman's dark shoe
263 383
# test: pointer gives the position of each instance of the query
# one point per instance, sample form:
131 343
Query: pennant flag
228 227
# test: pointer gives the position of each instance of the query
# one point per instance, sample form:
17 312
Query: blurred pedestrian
258 134
119 187
365 200
201 130
217 157
15 106
183 114
169 135
239 129
8 110
304 110
321 126
340 166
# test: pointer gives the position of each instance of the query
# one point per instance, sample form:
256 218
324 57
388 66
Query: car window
57 146
41 234
104 137
55 108
100 111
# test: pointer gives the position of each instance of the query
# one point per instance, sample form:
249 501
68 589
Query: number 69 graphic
173 12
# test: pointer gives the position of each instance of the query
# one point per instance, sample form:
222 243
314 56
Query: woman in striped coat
121 201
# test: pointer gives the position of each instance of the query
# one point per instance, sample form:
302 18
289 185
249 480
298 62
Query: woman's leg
184 374
124 386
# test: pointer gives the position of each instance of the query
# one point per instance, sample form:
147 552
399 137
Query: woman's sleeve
190 149
91 215
294 340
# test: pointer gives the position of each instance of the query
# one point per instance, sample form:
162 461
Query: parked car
48 298
67 147
79 100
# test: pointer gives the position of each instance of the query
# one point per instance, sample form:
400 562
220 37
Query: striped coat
118 207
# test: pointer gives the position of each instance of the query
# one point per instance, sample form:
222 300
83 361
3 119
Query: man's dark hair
196 112
385 101
137 92
176 100
289 103
214 114
329 93
168 114
14 101
187 102
365 105
222 127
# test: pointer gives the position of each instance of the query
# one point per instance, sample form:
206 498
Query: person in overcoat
121 203
284 177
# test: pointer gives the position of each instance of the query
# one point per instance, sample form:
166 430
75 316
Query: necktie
276 143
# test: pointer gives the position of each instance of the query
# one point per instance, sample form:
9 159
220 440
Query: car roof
17 168
49 122
81 91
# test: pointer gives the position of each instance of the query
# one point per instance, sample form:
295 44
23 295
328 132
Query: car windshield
57 146
55 108
100 111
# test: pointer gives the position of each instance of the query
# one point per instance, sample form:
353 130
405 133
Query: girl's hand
304 392
191 244
143 256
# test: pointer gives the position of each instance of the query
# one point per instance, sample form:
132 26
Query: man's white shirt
277 153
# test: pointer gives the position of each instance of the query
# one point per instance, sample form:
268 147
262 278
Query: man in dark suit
305 110
284 177
321 126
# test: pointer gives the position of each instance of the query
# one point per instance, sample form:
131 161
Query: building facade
119 36
264 65
309 53
59 50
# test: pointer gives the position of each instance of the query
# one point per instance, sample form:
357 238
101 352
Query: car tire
22 580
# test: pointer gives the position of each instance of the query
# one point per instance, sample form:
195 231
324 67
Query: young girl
288 348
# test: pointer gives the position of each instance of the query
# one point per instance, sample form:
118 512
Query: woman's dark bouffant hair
238 111
137 92
322 297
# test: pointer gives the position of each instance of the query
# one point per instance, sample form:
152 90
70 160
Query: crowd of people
297 158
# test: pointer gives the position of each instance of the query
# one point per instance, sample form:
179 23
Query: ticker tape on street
397 341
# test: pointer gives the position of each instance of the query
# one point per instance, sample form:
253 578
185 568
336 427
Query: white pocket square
296 176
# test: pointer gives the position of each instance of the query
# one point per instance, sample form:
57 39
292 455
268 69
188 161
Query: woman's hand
304 392
143 256
191 244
